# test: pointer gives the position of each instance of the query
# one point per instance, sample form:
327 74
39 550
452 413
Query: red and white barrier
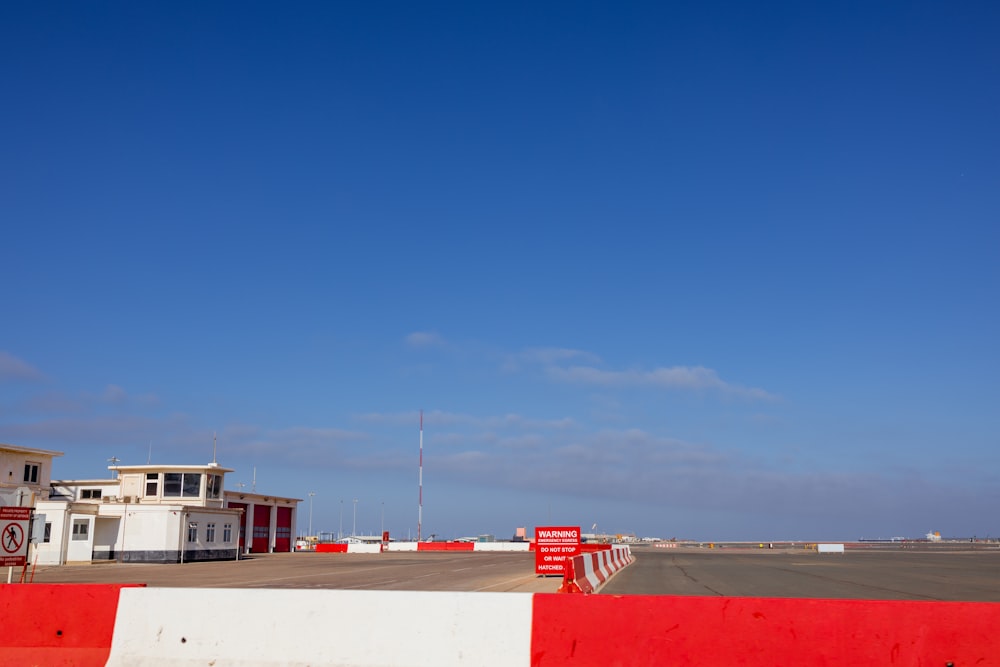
92 625
453 546
587 572
352 548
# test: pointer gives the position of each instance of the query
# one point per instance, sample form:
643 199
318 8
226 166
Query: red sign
14 535
553 545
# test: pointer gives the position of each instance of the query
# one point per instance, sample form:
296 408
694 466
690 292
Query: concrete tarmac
877 575
397 571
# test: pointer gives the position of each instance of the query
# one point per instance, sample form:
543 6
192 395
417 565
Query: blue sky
704 270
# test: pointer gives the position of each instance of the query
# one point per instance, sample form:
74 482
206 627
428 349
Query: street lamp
354 529
383 518
311 494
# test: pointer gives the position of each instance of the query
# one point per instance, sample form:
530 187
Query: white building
160 514
24 474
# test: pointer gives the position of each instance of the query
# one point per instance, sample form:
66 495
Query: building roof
206 467
77 482
29 450
253 495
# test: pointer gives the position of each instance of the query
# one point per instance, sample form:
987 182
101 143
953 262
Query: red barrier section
605 631
569 584
446 546
331 548
57 624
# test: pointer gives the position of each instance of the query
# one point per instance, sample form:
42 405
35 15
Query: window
152 482
172 484
192 485
283 533
47 536
31 472
227 533
89 493
213 486
81 530
260 532
178 484
210 532
192 532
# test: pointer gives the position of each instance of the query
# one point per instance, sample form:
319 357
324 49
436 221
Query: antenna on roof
253 487
215 442
114 462
149 457
420 500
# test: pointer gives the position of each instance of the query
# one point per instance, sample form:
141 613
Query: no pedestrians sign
14 535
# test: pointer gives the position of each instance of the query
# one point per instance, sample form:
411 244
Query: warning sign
553 545
14 535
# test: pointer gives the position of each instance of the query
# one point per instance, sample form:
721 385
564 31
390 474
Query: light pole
354 529
383 518
340 533
311 494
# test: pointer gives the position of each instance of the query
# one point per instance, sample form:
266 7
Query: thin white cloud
50 403
441 418
96 430
424 339
697 378
119 397
114 394
546 356
14 369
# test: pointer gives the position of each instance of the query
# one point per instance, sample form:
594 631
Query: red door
283 529
261 529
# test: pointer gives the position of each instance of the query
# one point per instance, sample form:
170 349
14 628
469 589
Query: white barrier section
364 548
402 546
257 627
830 548
501 546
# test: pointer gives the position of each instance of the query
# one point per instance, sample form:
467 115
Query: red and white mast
420 506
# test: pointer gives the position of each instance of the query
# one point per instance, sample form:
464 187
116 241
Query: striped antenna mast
420 506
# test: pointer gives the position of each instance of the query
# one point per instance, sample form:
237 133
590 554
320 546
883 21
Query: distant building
160 514
24 474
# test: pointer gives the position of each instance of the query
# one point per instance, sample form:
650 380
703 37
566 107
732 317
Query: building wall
159 534
136 533
266 514
73 490
79 549
57 516
12 463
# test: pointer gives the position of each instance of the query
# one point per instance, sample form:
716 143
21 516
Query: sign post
14 536
553 546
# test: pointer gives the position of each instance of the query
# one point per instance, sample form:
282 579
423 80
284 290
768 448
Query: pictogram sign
13 538
13 535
